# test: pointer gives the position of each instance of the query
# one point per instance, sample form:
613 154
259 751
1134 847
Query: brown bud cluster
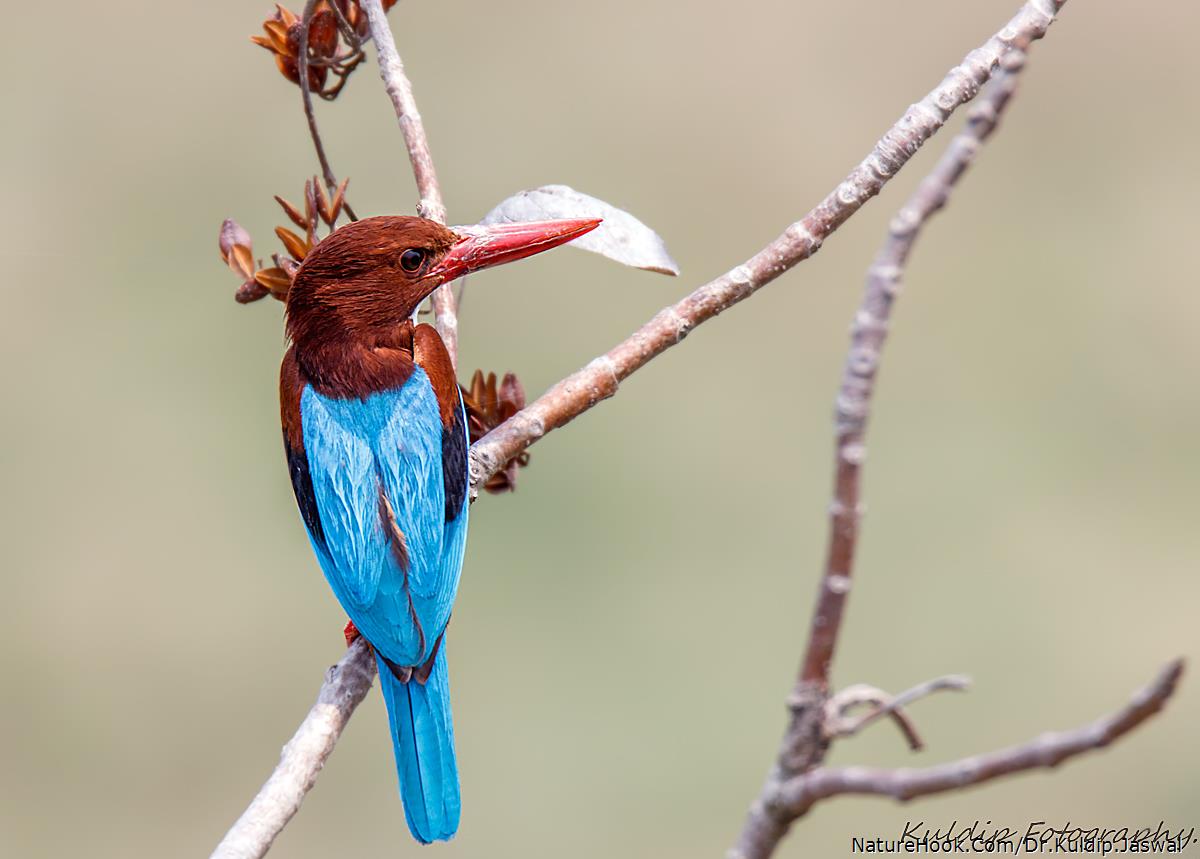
336 34
238 250
487 406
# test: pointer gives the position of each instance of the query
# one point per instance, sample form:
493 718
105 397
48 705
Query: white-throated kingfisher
376 443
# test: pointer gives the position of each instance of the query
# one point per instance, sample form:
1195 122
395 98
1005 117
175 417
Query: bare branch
799 794
399 90
345 686
806 741
599 380
868 337
306 94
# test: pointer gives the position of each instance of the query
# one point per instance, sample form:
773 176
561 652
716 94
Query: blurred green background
630 621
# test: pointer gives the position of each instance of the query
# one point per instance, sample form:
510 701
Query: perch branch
327 173
807 738
300 763
796 796
599 379
399 90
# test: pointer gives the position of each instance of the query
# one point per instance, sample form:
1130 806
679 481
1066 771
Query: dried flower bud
326 51
487 407
232 233
250 291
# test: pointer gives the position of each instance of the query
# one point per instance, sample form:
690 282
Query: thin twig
599 380
796 796
331 181
300 763
399 90
352 38
806 742
837 724
342 69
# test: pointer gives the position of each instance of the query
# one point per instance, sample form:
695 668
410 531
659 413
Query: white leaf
621 236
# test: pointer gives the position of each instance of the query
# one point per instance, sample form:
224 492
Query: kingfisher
376 442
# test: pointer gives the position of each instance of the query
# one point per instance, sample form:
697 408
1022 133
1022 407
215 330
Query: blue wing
386 547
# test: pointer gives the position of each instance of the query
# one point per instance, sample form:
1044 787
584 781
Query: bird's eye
412 259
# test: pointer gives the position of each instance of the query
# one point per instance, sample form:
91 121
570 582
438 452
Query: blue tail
423 739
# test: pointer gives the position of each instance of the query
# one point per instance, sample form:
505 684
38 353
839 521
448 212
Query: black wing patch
454 464
302 485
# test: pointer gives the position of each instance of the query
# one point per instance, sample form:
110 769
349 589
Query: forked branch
797 795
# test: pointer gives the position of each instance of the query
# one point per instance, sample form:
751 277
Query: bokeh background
630 621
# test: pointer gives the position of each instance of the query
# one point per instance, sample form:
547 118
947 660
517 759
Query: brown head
361 283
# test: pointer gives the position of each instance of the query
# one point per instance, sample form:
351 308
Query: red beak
486 246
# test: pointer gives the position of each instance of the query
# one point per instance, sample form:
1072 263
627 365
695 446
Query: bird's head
367 277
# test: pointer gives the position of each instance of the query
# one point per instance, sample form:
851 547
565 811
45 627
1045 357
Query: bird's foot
351 632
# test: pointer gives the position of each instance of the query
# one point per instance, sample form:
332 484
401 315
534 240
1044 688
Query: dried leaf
241 261
335 206
621 236
274 279
310 200
355 18
288 68
292 212
320 200
278 32
295 245
286 15
323 33
512 395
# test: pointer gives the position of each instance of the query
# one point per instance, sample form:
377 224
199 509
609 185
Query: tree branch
399 90
330 177
300 763
807 739
868 337
796 796
599 380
